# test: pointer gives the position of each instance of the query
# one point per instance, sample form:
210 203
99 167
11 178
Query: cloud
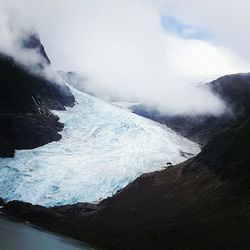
124 51
228 22
15 31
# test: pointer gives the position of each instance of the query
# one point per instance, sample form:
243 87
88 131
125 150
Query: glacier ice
103 148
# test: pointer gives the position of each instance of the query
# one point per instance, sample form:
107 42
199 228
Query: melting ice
103 148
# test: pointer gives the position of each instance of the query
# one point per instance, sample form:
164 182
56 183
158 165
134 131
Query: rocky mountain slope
233 89
25 103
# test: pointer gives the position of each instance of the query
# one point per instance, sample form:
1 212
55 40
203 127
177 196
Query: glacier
103 148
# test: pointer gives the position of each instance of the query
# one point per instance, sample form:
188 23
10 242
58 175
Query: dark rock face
32 41
23 92
2 203
228 153
25 131
235 91
25 102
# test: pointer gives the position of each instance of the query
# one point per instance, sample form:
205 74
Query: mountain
202 203
26 101
32 41
232 89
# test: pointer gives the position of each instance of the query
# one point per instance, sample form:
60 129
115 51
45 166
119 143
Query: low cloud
123 51
14 33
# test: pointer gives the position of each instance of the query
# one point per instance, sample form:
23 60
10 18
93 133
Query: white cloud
14 30
123 50
227 21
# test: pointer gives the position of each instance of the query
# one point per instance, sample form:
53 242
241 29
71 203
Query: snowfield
103 148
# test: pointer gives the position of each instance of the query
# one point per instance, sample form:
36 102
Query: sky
151 51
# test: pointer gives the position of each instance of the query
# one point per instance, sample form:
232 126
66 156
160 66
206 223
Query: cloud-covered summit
122 48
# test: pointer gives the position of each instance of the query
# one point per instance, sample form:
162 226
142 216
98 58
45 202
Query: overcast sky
151 51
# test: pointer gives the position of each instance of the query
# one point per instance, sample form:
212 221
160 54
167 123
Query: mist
15 31
123 50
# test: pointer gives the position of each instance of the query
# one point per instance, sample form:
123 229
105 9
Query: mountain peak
32 41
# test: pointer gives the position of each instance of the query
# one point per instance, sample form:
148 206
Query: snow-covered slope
102 149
